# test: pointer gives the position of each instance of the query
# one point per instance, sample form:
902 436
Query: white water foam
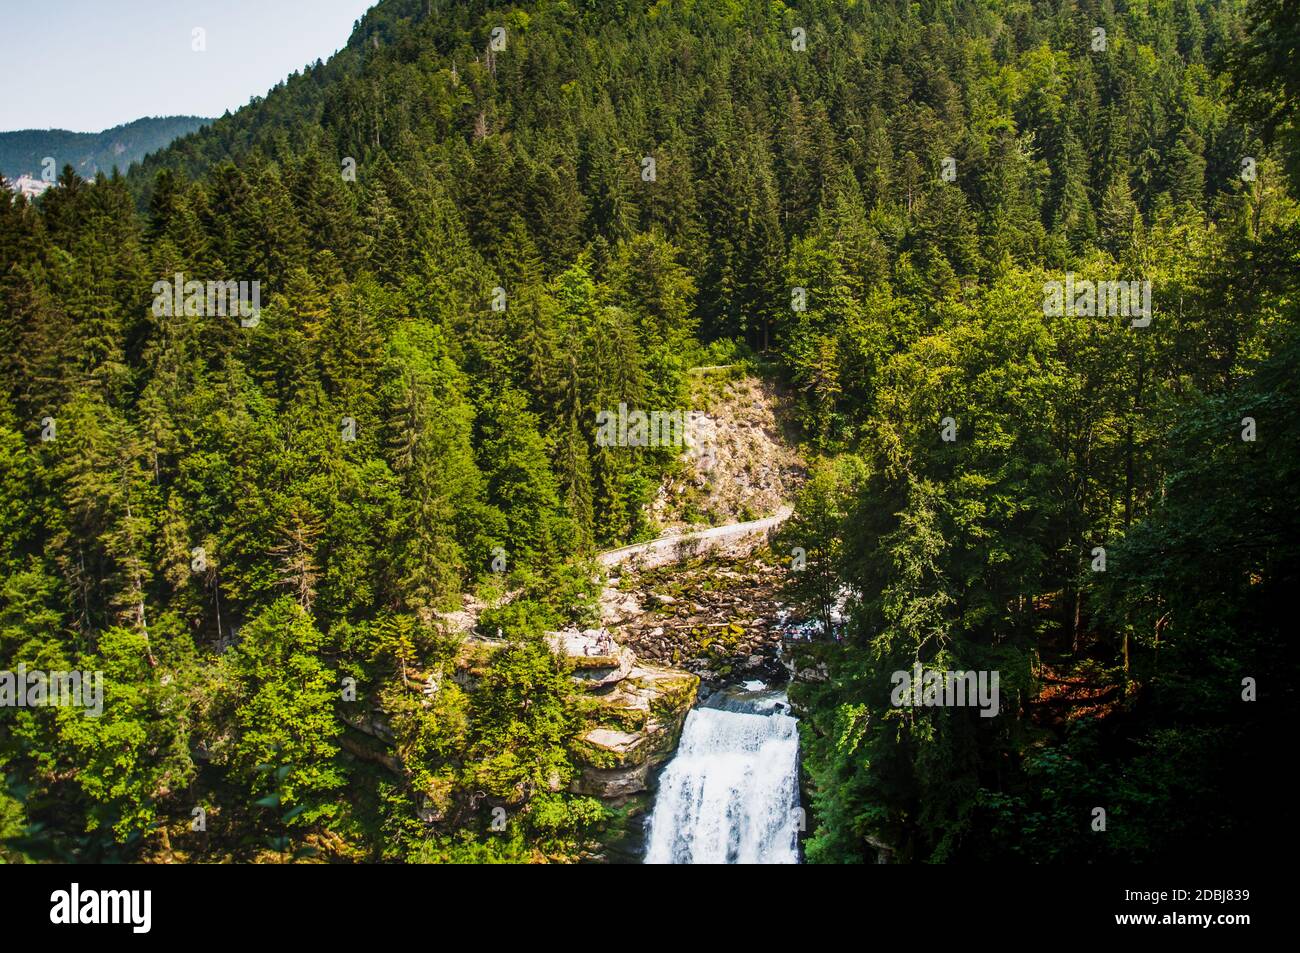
730 795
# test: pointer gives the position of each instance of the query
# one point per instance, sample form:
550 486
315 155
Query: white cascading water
730 795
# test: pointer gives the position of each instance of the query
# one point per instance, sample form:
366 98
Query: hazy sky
86 65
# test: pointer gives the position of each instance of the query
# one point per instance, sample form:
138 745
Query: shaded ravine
730 795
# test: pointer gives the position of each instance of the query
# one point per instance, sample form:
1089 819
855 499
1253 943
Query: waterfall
730 795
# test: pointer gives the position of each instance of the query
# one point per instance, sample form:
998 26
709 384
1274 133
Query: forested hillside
481 224
27 151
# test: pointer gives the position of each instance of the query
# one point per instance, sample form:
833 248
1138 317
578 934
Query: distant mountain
24 151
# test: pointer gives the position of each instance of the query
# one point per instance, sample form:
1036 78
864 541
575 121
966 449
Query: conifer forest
715 431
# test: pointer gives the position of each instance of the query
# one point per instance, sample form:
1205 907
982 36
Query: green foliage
139 748
1120 689
332 481
523 719
813 537
282 698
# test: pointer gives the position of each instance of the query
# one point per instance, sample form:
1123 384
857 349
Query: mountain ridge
24 151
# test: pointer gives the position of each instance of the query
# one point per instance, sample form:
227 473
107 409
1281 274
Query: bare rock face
617 607
615 783
638 723
741 464
636 712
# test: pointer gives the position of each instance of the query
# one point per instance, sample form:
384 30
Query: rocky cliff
635 713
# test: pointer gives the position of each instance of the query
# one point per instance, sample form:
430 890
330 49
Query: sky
88 65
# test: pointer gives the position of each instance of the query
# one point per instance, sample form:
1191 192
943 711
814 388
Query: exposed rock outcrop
635 713
742 464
